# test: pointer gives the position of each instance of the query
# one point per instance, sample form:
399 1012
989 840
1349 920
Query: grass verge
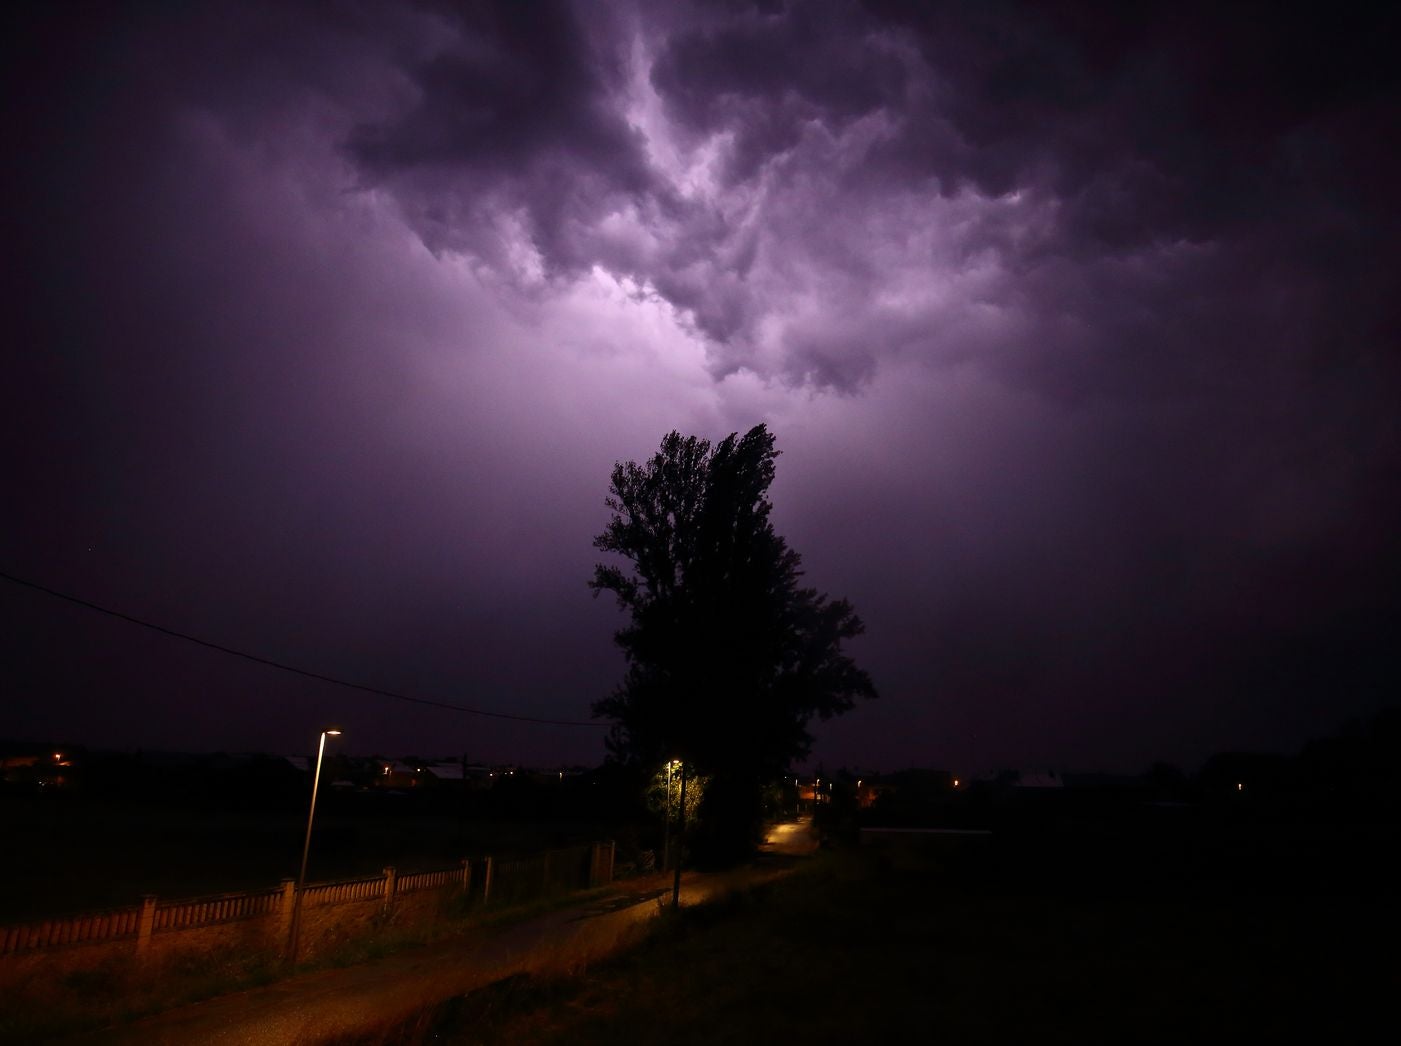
860 952
43 1005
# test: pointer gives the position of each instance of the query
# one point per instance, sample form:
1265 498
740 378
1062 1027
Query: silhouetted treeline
268 783
1353 776
1325 819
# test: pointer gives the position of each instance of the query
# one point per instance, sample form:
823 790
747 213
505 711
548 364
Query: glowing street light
680 839
330 731
671 764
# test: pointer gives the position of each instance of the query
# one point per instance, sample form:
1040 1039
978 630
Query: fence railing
221 908
430 880
498 882
75 929
519 878
341 892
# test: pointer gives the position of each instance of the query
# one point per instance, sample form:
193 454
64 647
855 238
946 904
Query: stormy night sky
1077 326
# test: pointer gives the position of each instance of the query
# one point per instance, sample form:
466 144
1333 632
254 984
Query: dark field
72 855
969 948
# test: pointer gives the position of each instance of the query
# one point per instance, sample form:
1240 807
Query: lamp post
330 731
680 844
666 819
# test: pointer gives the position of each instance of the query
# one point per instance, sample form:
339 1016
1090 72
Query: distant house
43 769
1037 779
398 775
446 771
1020 780
868 790
918 784
39 766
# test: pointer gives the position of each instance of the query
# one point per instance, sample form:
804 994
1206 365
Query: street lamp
330 731
671 764
680 840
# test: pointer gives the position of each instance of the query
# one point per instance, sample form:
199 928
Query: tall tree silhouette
728 657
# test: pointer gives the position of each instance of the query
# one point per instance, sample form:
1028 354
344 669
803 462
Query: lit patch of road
791 839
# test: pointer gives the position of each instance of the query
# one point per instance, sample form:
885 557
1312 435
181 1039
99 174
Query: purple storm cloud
1077 327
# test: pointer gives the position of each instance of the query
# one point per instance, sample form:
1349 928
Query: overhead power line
283 667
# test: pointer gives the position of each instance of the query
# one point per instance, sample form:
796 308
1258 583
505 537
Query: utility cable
282 666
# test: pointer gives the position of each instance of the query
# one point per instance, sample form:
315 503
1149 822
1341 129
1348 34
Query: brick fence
332 912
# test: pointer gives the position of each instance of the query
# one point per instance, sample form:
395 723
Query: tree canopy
728 657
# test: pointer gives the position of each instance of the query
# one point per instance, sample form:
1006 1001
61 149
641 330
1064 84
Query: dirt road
312 1007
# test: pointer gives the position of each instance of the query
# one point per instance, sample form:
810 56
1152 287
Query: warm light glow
1240 787
332 731
58 756
955 782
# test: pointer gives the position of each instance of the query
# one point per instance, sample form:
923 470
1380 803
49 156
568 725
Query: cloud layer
1077 328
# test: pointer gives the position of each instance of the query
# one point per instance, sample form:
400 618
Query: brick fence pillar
389 876
286 906
601 867
145 924
466 875
486 882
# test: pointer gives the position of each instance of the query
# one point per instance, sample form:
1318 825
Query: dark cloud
1021 138
514 83
516 116
763 75
1181 111
1077 326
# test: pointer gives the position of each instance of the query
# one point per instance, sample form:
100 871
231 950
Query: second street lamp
671 764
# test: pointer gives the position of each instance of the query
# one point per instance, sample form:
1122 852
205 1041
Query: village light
330 731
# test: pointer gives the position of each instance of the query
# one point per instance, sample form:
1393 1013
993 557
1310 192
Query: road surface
308 1008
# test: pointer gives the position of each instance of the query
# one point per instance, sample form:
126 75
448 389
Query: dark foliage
729 657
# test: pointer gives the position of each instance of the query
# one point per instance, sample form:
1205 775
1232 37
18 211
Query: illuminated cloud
1077 328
